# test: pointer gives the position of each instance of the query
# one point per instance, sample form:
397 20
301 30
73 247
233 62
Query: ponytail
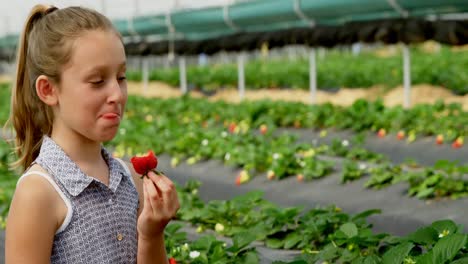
28 115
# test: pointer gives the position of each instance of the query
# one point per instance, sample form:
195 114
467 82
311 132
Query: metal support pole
183 75
406 76
145 62
313 76
103 7
136 7
240 75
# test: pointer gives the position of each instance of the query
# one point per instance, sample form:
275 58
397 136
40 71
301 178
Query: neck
80 149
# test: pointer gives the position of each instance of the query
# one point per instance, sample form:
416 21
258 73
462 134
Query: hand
159 207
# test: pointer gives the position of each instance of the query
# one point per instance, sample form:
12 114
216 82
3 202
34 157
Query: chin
107 136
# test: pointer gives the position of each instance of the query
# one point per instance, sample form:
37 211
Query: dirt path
345 97
419 94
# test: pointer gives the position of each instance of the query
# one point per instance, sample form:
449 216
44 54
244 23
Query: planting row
175 128
445 69
321 234
448 121
193 130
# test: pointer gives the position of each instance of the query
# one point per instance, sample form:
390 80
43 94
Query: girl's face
93 88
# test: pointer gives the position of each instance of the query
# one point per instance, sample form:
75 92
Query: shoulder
33 184
35 193
33 219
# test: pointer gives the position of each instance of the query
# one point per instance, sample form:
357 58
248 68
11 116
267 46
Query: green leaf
350 229
445 225
372 260
460 261
291 240
425 192
250 257
274 243
397 254
425 259
241 240
366 214
425 235
447 247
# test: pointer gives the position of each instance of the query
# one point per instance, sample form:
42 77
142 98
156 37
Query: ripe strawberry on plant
232 127
401 134
458 143
263 129
381 133
144 164
300 177
172 261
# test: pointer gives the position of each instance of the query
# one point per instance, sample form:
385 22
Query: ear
46 90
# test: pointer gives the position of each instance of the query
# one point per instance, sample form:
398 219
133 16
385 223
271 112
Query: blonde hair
45 47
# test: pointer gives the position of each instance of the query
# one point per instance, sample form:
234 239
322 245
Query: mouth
111 116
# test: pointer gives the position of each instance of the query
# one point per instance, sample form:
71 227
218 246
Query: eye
122 78
97 82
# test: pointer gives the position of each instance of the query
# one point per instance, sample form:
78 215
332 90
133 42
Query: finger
153 178
152 195
169 193
164 185
173 191
146 199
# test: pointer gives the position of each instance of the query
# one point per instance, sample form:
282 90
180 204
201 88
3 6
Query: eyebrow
105 67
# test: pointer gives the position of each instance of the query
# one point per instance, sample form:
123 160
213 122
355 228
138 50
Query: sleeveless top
101 222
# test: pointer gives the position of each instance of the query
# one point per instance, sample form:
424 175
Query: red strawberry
458 143
401 134
143 165
263 129
172 261
439 139
297 124
232 127
381 133
300 177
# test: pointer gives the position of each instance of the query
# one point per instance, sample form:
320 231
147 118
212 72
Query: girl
75 203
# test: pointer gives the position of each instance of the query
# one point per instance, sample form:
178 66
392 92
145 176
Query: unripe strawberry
263 129
242 177
323 133
232 127
411 136
174 162
270 175
219 227
439 139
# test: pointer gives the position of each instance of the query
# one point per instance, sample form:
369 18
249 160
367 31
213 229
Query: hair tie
50 10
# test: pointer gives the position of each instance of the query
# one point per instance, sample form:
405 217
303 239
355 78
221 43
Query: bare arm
32 222
158 205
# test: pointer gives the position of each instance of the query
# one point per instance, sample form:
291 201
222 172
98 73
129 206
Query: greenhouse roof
284 22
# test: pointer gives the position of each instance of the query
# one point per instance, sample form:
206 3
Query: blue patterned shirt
101 222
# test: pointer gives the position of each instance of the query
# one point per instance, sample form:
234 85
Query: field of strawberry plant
442 68
260 140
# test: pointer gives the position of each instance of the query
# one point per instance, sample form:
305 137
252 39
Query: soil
345 96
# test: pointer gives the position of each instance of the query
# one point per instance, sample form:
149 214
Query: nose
118 92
